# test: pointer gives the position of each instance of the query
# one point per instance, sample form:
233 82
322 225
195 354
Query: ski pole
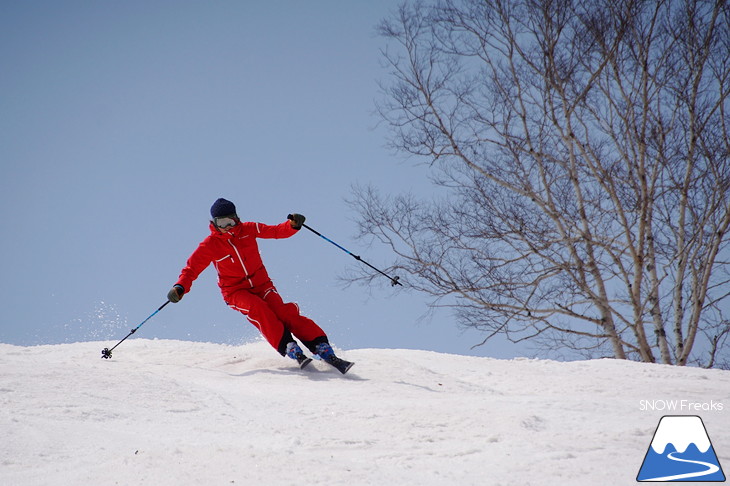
106 353
393 280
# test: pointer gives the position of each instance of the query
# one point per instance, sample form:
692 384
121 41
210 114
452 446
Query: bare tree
582 157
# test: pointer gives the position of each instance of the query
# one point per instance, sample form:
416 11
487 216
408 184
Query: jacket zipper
245 271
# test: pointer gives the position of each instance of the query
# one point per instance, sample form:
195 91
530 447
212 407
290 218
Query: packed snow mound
185 413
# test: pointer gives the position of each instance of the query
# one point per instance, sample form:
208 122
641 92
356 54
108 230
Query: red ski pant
277 321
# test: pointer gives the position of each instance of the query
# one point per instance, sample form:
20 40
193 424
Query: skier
246 287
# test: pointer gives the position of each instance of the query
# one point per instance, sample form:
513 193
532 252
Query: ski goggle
225 222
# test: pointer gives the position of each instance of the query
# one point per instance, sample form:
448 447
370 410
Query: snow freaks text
680 406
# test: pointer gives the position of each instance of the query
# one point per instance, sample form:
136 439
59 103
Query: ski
303 361
342 365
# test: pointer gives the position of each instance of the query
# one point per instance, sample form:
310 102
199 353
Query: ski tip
304 363
347 367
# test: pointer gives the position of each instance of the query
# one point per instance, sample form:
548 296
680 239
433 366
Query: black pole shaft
107 353
393 280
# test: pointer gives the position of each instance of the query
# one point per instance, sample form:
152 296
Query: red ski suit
246 286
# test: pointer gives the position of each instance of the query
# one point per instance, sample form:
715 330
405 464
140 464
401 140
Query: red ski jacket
235 255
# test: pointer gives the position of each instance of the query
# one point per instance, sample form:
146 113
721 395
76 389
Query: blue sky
121 123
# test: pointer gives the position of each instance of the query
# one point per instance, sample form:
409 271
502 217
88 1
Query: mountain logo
681 451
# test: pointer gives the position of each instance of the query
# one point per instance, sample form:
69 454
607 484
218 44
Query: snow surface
184 413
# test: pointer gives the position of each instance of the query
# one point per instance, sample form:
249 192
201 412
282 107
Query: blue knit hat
222 207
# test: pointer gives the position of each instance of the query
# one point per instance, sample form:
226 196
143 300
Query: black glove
297 220
176 293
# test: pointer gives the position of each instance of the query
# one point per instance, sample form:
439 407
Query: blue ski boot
295 352
327 354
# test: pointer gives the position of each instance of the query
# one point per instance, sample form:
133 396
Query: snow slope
184 413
